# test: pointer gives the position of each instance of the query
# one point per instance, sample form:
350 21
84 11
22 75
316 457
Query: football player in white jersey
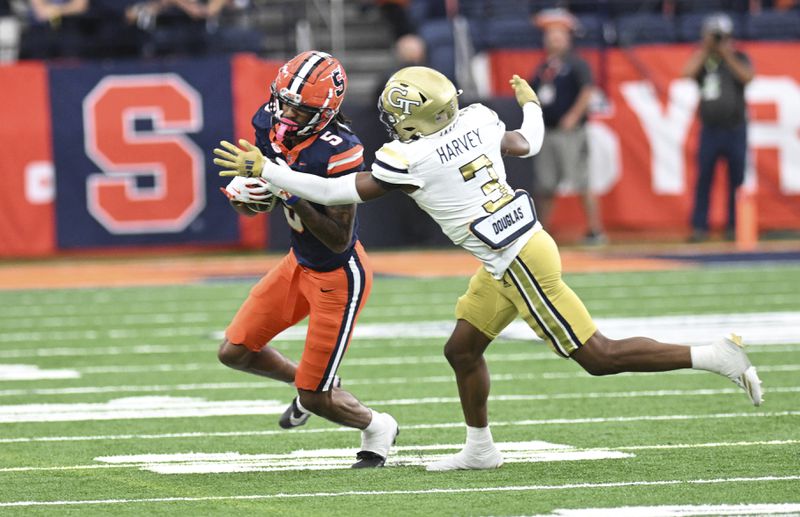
450 162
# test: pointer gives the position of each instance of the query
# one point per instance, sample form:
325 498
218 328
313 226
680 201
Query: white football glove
256 192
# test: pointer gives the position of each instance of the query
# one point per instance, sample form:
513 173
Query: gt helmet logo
399 101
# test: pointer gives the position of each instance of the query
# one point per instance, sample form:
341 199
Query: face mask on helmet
306 94
388 120
299 119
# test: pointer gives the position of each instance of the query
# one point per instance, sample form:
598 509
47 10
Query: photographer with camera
721 71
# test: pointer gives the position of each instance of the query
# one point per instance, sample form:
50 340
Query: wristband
292 200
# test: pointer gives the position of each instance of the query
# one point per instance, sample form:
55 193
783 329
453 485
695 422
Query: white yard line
363 493
579 396
210 347
760 328
324 459
148 407
683 510
259 385
210 350
447 425
178 367
408 455
702 445
164 388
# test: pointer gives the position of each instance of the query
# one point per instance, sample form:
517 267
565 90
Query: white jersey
460 176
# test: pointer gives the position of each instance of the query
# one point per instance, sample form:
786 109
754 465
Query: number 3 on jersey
498 193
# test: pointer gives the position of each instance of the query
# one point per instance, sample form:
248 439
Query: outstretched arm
248 161
527 140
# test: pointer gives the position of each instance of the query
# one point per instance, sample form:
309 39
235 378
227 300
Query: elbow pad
532 128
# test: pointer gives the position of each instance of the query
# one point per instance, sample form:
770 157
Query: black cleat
368 460
293 417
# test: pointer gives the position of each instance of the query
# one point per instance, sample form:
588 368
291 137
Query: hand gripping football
253 192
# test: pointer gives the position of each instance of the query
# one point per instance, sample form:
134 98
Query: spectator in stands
55 29
179 26
409 50
395 12
9 33
231 27
420 11
565 86
757 6
143 14
722 72
709 6
108 33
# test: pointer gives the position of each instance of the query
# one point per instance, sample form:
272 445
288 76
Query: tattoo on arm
333 226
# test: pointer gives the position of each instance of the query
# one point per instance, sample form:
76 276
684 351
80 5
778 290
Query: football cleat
368 460
375 445
294 416
468 460
734 364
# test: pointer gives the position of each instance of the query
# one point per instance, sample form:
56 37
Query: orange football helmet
313 82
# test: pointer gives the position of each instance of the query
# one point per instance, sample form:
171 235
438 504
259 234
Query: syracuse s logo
395 99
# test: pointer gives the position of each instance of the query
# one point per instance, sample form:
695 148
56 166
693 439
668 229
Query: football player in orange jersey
326 275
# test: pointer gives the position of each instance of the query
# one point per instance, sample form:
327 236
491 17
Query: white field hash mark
379 493
31 372
139 460
330 459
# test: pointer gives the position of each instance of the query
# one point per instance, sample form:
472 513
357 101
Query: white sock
704 357
479 438
300 406
375 423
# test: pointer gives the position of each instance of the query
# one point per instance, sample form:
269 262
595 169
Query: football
253 193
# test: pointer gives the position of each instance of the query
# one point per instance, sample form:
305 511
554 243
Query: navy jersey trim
356 280
388 167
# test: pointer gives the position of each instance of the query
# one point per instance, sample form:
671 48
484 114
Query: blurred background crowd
45 29
438 33
477 44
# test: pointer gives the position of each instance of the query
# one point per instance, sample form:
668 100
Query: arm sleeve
532 128
325 191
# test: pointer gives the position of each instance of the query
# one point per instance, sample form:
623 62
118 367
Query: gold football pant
532 287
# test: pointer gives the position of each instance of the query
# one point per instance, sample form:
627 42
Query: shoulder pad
262 119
